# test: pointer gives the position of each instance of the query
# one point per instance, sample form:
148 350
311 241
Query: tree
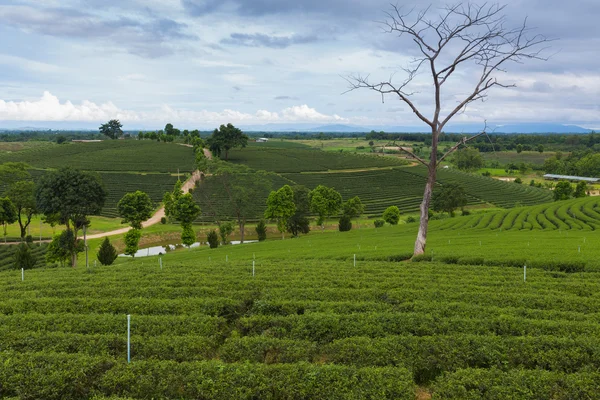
213 239
580 190
261 230
63 246
68 196
225 229
22 194
540 148
132 240
468 159
60 139
456 37
135 208
23 257
280 207
325 202
391 215
449 198
352 208
184 209
112 129
519 148
299 222
8 214
107 254
188 236
563 191
345 223
226 138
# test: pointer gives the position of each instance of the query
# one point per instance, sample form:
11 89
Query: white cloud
49 108
30 65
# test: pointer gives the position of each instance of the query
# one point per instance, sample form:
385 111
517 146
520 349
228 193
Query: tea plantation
310 323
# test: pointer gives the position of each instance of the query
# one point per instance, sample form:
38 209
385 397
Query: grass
528 157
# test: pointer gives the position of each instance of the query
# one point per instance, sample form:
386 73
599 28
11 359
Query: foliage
324 202
112 129
411 220
299 222
391 215
68 197
580 190
261 230
22 194
378 223
135 208
23 257
563 191
468 159
163 220
226 138
225 230
518 180
132 240
188 236
345 223
8 213
213 239
107 253
353 208
451 197
63 246
280 207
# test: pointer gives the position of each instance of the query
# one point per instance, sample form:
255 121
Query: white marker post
524 273
160 262
355 260
252 267
128 338
22 274
579 249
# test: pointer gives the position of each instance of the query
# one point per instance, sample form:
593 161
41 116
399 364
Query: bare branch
413 155
461 143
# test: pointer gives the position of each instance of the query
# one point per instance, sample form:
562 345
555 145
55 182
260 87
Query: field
312 324
528 157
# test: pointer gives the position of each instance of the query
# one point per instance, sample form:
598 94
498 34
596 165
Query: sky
202 63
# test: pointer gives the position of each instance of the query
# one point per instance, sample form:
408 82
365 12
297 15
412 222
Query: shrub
225 229
486 173
378 223
471 261
23 257
213 239
163 220
132 239
421 257
29 239
518 180
411 220
391 215
345 223
188 236
466 212
107 253
261 230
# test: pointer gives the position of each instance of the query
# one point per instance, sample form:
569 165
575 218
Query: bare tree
458 37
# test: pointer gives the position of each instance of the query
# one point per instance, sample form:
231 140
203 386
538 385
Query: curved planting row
578 214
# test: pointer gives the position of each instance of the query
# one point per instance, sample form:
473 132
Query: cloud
262 40
286 98
148 37
49 108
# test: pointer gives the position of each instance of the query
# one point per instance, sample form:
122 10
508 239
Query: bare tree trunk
241 232
424 222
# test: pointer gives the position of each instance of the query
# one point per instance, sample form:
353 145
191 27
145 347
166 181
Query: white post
160 262
94 263
355 260
128 338
252 267
22 274
524 273
87 265
579 249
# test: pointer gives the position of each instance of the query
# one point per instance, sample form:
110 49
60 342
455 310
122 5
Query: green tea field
288 319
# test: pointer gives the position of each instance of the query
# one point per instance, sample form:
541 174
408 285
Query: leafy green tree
213 239
23 257
345 223
132 240
353 208
519 148
226 138
225 229
112 129
562 191
8 213
63 246
60 139
391 215
540 148
325 202
107 254
12 172
580 190
299 222
135 208
280 207
468 159
183 208
188 236
449 198
22 194
261 230
68 196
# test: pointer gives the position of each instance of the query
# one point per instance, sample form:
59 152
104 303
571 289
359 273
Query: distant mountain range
307 127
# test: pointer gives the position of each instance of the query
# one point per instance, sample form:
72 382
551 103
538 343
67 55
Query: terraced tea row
374 329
